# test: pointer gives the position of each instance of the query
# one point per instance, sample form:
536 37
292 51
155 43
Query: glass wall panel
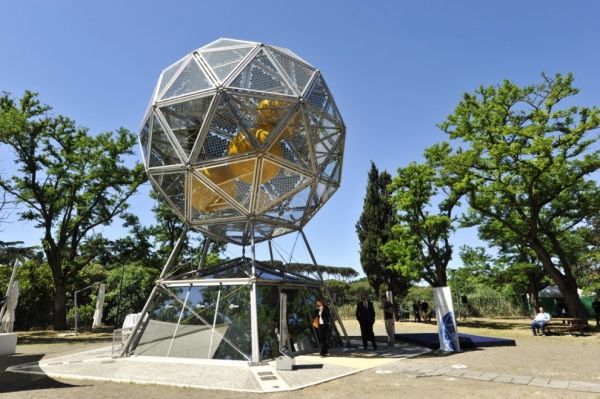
172 332
158 334
234 309
267 309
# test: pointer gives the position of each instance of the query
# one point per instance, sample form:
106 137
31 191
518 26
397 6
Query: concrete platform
8 343
309 370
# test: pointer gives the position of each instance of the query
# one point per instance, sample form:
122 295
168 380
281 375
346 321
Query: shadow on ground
14 382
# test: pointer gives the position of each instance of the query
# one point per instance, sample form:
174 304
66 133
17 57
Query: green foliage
68 182
414 294
34 309
85 315
340 290
374 230
360 287
127 288
488 302
420 246
524 165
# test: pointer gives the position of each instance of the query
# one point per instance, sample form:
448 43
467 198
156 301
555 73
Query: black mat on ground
467 341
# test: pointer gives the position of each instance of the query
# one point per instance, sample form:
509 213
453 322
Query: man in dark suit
365 314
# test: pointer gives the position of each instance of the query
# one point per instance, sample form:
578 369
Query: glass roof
242 268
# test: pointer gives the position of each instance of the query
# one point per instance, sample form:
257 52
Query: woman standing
322 312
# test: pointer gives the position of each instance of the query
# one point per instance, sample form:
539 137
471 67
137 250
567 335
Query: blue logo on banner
448 332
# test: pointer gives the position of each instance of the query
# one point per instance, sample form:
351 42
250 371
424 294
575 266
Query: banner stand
446 321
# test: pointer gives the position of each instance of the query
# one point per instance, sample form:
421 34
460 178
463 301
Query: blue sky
396 69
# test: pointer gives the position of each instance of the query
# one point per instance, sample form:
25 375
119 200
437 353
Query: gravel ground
560 357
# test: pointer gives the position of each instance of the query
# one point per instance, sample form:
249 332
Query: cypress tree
374 230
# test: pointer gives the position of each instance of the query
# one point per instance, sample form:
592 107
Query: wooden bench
561 325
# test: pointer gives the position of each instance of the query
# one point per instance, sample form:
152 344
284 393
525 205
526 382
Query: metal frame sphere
243 140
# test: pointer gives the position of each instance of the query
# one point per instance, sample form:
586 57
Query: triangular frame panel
297 72
162 147
190 79
171 186
262 75
222 62
185 120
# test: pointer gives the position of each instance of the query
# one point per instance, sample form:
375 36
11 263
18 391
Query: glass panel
294 144
296 72
281 184
169 72
224 43
261 75
144 137
186 331
234 309
260 114
267 309
324 134
289 53
325 191
172 185
185 120
225 135
314 201
191 79
301 305
162 152
222 62
162 325
231 231
206 202
244 173
292 209
321 98
262 231
333 169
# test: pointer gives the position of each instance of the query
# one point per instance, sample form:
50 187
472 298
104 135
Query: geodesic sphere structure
243 140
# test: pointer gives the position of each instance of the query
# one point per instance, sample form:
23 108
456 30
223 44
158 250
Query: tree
11 250
526 166
67 181
374 229
420 245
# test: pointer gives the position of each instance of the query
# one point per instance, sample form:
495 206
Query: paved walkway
98 365
460 371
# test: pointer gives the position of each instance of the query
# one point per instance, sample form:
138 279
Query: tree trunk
565 282
60 290
534 295
60 306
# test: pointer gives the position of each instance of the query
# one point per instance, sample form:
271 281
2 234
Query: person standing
322 312
424 310
388 317
417 311
365 314
596 307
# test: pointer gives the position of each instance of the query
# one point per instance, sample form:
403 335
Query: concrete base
284 363
8 343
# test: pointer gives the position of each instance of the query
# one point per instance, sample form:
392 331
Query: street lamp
75 296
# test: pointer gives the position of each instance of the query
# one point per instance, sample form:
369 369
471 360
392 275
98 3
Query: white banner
444 313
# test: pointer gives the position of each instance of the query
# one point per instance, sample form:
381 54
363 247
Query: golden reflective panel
268 114
203 198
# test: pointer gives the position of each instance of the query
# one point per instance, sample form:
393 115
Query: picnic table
558 325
